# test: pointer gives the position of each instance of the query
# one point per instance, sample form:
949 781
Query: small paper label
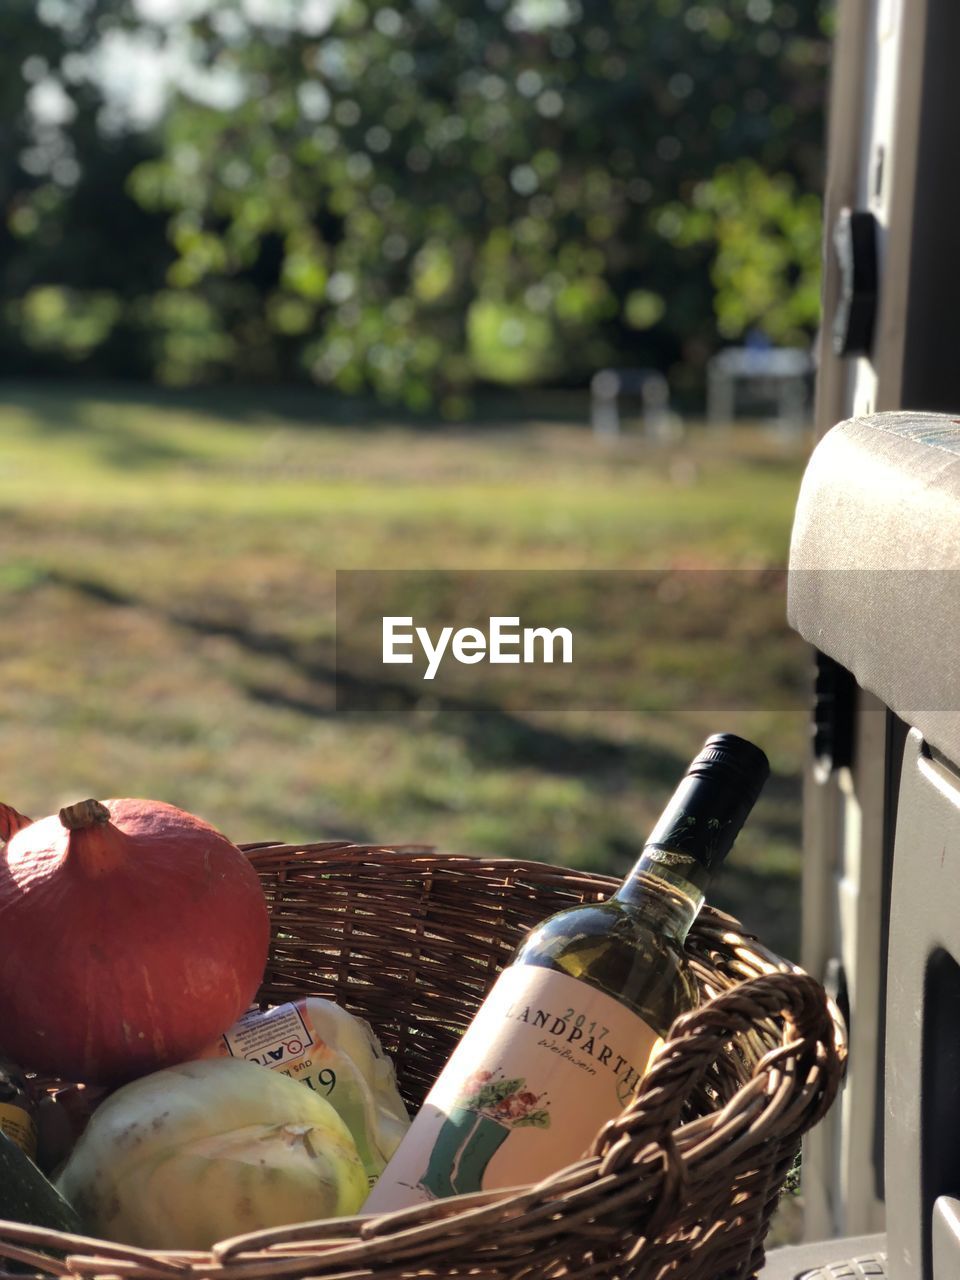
285 1040
275 1038
544 1064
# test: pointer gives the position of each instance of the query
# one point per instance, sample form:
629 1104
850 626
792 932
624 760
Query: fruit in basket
335 1053
133 934
206 1150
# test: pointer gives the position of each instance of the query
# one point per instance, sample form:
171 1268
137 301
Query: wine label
19 1127
544 1064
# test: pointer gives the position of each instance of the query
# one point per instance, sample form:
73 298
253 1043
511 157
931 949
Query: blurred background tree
410 200
413 203
78 255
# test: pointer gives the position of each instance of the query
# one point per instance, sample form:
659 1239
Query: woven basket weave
682 1184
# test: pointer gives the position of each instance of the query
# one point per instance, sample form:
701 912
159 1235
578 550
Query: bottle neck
666 889
694 834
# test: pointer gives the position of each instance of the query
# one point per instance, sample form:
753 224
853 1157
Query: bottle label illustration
481 1119
544 1064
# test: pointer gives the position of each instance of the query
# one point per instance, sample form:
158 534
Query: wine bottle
561 1043
18 1111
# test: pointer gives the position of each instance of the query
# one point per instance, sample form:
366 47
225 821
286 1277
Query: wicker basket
682 1184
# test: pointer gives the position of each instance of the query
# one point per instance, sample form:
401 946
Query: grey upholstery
875 563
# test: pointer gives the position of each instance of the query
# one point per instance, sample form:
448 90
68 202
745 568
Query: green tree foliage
411 199
765 237
79 258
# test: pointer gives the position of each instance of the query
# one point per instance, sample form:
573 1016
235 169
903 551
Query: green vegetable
26 1195
338 1056
196 1153
364 1093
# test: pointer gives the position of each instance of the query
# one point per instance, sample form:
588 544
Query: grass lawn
167 609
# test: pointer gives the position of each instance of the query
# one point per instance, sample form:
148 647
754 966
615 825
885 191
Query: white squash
335 1053
207 1150
372 1092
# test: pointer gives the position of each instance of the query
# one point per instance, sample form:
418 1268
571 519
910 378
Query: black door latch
855 240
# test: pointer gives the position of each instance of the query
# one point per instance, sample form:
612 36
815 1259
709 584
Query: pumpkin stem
85 813
11 821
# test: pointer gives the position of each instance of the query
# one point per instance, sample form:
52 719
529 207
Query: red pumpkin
131 935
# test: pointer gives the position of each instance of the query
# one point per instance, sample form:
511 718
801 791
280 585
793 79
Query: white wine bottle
561 1043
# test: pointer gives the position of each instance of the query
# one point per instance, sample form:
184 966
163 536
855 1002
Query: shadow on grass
765 901
65 407
110 423
59 414
491 733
